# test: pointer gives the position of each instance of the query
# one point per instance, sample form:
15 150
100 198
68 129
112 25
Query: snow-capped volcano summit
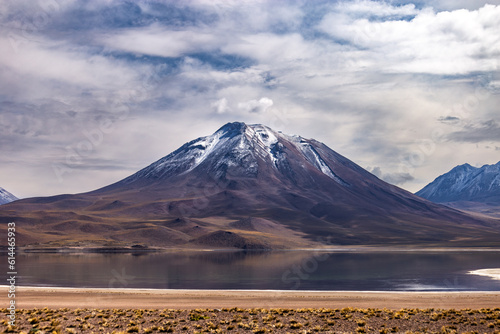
249 186
6 197
238 149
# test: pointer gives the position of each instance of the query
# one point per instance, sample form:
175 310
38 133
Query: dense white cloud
256 106
395 84
457 42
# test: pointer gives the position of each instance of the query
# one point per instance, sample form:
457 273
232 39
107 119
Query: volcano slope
246 187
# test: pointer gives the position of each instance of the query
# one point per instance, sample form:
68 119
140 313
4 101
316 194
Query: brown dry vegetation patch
238 320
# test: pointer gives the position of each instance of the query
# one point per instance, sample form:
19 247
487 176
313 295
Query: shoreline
95 298
335 249
154 290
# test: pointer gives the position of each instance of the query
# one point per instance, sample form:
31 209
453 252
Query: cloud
488 131
365 8
283 50
256 106
220 106
398 178
392 178
375 171
450 5
456 42
156 40
371 79
449 119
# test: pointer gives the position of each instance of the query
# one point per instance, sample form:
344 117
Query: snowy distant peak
6 197
464 168
464 183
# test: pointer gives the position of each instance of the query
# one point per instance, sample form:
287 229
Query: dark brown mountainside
247 186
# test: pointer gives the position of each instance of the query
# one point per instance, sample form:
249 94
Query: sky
92 91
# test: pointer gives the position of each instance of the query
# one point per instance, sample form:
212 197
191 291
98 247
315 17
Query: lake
253 270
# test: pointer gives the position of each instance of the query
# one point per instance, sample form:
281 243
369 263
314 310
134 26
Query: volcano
249 187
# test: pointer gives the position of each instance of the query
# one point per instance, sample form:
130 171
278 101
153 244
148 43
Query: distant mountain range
6 197
468 188
248 187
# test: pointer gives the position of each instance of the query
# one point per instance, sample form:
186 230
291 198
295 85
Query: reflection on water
283 270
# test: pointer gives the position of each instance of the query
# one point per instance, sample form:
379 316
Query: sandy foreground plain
40 297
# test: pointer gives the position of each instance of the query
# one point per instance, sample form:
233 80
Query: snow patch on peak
265 134
263 140
314 158
202 148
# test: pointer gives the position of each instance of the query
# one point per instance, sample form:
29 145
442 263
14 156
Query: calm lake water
283 270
